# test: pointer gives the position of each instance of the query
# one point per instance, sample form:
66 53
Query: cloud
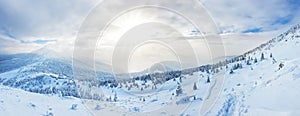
37 23
35 18
236 16
10 45
33 24
254 30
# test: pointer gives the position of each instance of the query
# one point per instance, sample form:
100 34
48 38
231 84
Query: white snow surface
262 88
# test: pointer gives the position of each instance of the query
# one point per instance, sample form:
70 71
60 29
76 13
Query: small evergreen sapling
179 91
208 80
195 86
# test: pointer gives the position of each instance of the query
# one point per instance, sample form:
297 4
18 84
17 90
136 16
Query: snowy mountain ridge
261 81
30 66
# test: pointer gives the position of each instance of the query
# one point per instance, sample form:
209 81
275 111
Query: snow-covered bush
74 107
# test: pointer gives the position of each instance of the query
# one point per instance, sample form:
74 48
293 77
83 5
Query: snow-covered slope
268 87
15 102
38 74
263 81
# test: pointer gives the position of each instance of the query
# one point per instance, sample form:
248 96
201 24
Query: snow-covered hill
267 87
14 102
263 81
39 74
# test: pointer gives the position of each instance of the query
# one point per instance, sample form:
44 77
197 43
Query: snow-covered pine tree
180 79
248 62
231 71
179 90
115 97
195 86
208 80
262 56
255 60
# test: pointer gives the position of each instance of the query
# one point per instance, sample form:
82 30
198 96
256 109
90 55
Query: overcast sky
28 25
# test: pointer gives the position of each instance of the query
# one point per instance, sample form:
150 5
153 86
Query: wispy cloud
35 18
236 16
35 23
254 30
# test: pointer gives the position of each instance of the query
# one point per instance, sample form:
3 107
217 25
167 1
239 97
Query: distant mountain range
37 72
